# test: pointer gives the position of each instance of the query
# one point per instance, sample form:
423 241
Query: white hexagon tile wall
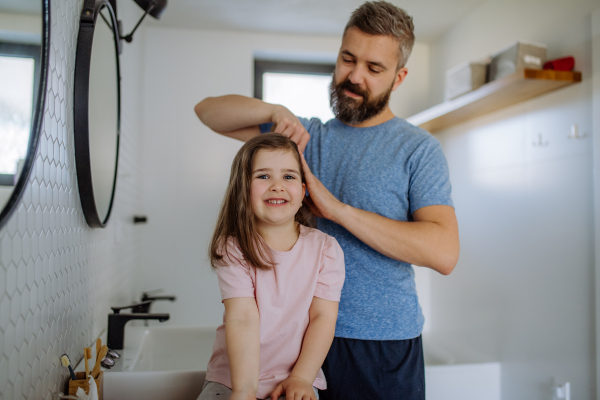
58 277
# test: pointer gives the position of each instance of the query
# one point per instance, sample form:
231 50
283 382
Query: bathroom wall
596 156
186 166
523 290
58 277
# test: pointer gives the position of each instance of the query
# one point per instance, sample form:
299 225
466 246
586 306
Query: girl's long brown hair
236 219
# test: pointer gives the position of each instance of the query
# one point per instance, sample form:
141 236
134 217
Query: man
381 188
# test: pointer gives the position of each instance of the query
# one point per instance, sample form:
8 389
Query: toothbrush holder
83 383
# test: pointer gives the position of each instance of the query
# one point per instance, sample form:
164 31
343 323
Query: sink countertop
131 347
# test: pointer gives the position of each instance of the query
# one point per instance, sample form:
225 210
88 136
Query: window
302 88
19 64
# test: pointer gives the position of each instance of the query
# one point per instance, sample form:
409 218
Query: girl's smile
276 202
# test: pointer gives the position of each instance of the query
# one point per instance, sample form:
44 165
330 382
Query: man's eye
346 60
374 71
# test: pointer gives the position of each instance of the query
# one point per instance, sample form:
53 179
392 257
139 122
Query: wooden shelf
520 86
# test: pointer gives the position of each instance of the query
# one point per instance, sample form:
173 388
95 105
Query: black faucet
147 299
117 321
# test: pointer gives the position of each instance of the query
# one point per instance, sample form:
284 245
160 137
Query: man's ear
400 76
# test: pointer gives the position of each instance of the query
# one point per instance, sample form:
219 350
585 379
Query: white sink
173 385
174 349
169 362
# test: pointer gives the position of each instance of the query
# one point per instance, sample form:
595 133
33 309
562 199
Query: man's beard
354 111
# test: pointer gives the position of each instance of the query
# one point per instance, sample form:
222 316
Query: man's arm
430 240
316 344
242 338
239 117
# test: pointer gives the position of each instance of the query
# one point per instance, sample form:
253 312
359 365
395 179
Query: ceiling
316 17
309 17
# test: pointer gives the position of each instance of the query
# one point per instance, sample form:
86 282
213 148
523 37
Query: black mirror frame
89 14
38 116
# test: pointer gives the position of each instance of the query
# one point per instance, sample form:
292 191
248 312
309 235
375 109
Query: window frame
289 67
23 50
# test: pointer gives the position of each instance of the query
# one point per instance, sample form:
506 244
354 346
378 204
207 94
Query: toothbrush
98 347
87 354
67 363
101 355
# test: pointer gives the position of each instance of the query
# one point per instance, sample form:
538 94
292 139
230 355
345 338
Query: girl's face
276 191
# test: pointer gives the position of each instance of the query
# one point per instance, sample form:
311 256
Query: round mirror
24 38
97 110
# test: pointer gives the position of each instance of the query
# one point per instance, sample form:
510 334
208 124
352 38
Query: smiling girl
280 281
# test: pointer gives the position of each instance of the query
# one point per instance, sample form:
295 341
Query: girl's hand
242 396
294 389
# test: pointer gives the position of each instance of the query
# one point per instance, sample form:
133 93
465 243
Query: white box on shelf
518 55
465 78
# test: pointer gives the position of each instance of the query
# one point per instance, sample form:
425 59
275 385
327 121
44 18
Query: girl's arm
317 340
242 338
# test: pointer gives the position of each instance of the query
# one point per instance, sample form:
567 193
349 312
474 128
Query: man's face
365 76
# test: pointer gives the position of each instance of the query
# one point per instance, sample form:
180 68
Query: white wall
523 291
596 141
58 277
412 96
20 28
5 193
186 166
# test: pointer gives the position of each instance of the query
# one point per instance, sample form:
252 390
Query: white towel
93 394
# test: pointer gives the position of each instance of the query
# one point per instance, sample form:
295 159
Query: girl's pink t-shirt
314 267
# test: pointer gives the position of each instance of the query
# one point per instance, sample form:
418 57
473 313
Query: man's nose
357 76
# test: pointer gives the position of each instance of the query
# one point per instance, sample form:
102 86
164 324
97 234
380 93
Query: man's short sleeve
234 275
430 179
266 127
332 271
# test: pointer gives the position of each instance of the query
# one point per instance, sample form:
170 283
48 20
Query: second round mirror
97 110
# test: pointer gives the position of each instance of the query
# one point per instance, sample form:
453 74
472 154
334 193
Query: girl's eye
262 177
289 177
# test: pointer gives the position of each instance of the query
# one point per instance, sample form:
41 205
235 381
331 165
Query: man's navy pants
374 369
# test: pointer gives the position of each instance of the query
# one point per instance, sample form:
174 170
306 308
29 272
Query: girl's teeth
276 201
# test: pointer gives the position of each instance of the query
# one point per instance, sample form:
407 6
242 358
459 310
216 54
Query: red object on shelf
561 64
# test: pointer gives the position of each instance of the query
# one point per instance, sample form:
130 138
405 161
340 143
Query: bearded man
381 187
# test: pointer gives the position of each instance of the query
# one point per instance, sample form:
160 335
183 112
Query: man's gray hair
383 18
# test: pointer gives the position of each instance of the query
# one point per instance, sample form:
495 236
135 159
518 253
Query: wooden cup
83 383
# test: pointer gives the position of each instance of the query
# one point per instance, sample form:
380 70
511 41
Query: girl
280 281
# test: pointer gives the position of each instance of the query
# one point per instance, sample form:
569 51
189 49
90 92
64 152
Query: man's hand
295 389
322 203
287 124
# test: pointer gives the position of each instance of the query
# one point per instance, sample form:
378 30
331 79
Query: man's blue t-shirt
391 169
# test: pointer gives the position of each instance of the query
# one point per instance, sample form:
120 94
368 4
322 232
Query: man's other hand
322 203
